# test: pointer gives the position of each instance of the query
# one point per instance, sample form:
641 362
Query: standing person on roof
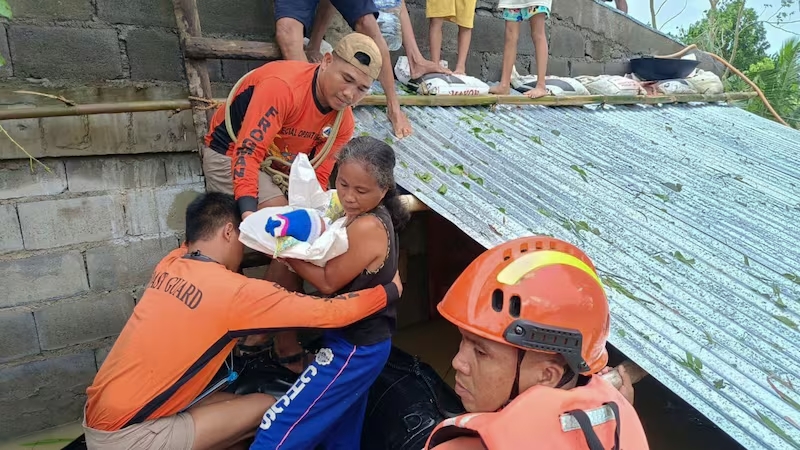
296 18
149 392
534 321
279 110
328 407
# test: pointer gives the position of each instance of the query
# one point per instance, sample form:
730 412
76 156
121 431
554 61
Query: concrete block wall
77 243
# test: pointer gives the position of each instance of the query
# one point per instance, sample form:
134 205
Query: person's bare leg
509 57
542 53
417 63
226 421
289 34
435 37
400 124
322 21
622 5
464 39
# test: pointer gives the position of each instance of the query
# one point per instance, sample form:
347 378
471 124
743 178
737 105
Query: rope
735 71
279 178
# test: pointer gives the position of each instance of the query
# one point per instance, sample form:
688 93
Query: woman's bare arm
367 241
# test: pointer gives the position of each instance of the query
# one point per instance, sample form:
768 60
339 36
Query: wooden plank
188 21
201 48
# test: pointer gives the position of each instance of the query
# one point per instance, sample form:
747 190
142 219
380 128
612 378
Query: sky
640 9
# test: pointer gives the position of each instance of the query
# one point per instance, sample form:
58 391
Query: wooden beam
188 21
201 48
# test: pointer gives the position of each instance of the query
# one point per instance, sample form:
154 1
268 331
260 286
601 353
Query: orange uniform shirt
276 112
186 325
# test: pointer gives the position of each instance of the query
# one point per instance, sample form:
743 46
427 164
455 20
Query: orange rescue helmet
534 293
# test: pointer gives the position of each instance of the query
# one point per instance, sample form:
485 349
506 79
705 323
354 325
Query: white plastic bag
304 192
439 83
389 23
670 87
611 85
558 86
705 82
324 48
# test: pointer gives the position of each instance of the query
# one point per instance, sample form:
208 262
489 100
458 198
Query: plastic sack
304 192
611 85
324 48
389 23
439 83
670 87
558 86
705 82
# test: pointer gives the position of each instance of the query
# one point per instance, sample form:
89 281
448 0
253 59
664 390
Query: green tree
779 77
5 11
732 31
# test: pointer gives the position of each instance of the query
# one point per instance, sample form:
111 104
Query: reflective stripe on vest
597 416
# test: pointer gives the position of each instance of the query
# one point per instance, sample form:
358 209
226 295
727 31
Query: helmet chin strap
568 376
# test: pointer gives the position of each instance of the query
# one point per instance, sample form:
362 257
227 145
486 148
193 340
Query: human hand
626 388
314 55
398 282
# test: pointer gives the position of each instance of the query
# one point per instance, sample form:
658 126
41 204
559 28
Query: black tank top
381 325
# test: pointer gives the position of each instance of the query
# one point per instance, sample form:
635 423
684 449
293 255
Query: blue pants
303 11
326 405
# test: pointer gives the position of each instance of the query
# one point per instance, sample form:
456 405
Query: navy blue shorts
303 11
327 403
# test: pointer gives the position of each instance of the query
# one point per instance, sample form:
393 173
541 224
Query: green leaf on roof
609 281
475 178
545 212
621 333
5 10
709 338
663 197
491 144
425 177
655 284
791 277
786 321
502 210
692 363
675 187
776 429
537 139
465 184
746 261
457 169
719 384
660 259
688 261
442 189
556 132
403 165
439 166
580 171
668 128
389 140
362 134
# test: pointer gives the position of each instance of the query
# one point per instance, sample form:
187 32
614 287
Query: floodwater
663 413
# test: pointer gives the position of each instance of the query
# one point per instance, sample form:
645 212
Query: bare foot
538 91
425 66
460 70
314 55
400 123
500 89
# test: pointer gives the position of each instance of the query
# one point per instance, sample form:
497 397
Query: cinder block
157 13
184 168
555 66
214 67
42 277
578 68
74 321
43 394
86 135
488 34
141 212
54 223
598 49
617 68
115 266
17 335
6 69
17 180
567 43
59 10
494 65
172 203
161 131
10 234
112 173
65 53
25 131
155 55
248 18
100 355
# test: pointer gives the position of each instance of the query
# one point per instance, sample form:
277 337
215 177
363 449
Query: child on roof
514 12
460 12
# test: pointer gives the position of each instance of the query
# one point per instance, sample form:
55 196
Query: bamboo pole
380 100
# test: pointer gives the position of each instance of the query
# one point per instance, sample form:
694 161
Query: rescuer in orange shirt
183 330
534 321
281 109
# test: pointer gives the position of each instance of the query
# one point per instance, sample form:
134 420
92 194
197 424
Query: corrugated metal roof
690 212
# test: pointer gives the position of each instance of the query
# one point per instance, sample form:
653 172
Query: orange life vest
594 417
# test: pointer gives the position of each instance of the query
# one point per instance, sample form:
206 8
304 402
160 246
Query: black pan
651 68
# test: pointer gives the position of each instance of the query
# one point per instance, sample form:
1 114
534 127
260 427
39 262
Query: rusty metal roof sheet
690 212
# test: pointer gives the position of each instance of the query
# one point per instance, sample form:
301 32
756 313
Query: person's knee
288 32
368 25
